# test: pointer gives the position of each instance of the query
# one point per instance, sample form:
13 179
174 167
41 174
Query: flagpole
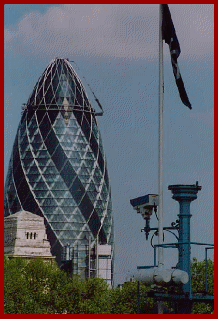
160 151
160 155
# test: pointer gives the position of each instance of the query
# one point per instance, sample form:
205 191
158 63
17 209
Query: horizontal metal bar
203 244
186 243
71 108
165 296
145 267
171 245
164 228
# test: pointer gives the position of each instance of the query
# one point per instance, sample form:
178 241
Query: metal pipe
184 262
160 154
97 262
206 284
206 268
138 297
185 194
89 252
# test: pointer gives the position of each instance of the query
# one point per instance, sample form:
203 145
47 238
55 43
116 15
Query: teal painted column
184 262
185 194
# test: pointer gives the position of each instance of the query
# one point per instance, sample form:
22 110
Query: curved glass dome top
59 87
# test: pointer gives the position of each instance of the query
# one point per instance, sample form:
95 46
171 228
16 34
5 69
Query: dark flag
169 35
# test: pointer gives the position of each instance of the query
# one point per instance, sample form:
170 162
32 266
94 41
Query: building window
31 235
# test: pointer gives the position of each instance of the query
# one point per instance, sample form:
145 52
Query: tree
198 284
17 298
95 297
124 300
26 285
38 287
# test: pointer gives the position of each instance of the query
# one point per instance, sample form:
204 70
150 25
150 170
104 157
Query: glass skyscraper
58 169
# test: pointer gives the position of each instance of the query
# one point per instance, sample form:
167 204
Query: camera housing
144 205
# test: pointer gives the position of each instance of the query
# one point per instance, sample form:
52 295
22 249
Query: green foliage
95 298
27 285
124 301
198 283
198 276
38 287
16 287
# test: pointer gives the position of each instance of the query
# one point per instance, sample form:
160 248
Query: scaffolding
88 260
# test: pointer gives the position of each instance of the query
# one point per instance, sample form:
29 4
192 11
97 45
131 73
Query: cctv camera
145 204
145 201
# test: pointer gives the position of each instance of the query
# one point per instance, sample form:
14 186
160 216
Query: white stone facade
25 236
104 262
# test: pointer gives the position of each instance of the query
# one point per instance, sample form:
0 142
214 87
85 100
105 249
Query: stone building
25 236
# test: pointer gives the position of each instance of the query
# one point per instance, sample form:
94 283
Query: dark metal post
206 268
206 284
138 298
67 263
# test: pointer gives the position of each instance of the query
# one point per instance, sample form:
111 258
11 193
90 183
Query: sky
115 47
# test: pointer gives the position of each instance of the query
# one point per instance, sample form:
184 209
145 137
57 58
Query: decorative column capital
184 192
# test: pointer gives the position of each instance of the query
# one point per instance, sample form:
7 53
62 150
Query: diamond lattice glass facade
58 166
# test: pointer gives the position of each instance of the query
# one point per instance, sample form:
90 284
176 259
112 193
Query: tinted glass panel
78 116
101 161
102 237
68 174
86 128
94 223
79 99
106 178
86 207
49 96
15 206
39 115
94 145
53 114
77 190
51 142
59 158
45 126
